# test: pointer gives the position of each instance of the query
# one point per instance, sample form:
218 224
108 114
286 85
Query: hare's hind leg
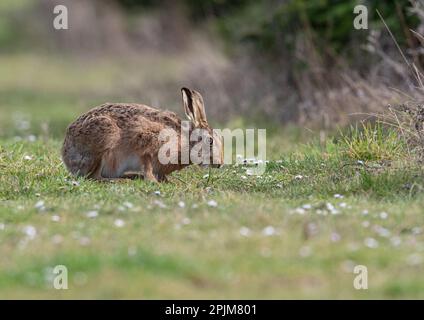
86 145
97 173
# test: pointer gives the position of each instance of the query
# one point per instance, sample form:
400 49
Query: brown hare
115 139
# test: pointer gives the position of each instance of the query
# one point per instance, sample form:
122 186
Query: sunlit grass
374 142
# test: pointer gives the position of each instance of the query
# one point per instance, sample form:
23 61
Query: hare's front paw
150 177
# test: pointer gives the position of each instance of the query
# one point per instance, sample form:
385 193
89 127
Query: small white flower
75 183
206 176
338 196
416 231
243 177
55 218
335 237
186 221
160 204
92 214
269 231
212 203
128 205
28 158
244 231
365 212
298 177
331 208
157 192
307 206
321 212
31 138
181 204
300 211
343 205
2 226
382 232
365 224
40 205
30 231
371 243
249 172
383 215
119 223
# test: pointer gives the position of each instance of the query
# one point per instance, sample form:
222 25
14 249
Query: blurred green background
272 61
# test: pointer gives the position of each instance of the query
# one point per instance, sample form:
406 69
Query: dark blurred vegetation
272 26
285 60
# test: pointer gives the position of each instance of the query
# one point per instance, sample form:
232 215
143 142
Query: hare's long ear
188 103
194 107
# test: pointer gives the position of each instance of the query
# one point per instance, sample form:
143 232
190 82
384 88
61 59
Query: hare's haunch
116 139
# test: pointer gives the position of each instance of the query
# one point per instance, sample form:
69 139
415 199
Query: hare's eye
210 141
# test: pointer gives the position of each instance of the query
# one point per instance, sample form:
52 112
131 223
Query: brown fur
107 140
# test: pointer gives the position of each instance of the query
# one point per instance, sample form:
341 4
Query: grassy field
295 232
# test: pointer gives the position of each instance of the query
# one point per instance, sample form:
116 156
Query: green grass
281 235
374 142
198 251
